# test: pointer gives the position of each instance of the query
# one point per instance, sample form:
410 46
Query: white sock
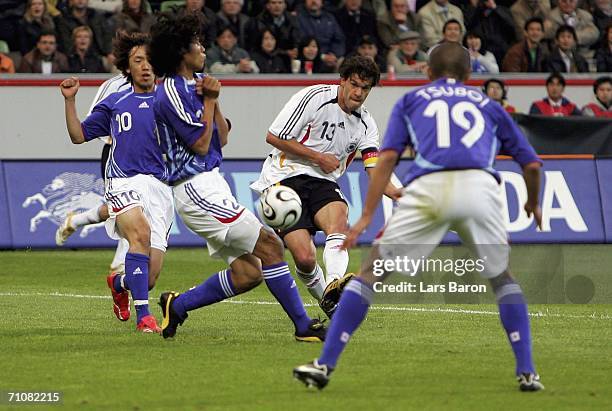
336 260
314 281
90 216
120 253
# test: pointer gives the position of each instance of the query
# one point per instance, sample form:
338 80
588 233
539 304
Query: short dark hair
364 67
534 20
601 80
226 27
476 34
122 48
171 39
566 29
450 59
501 83
557 76
44 33
450 21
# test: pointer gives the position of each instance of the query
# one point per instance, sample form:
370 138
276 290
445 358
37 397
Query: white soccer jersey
314 118
110 86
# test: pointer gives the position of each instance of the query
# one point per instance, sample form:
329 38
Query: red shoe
121 301
148 325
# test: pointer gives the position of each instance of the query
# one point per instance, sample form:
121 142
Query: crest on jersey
351 147
65 193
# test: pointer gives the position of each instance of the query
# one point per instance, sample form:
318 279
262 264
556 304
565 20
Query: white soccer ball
279 207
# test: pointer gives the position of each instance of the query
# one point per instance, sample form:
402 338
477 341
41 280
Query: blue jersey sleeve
397 136
178 111
98 123
513 141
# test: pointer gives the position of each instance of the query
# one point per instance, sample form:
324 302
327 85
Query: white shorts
466 201
207 206
148 193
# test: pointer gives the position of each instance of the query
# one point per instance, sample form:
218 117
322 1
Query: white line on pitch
594 315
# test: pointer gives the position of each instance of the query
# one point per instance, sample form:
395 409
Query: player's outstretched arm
69 88
531 175
210 88
325 161
391 191
378 183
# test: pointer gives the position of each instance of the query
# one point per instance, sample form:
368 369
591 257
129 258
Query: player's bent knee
502 279
269 248
305 260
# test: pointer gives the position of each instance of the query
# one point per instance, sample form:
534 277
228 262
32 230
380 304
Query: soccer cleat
313 374
148 325
529 382
171 320
315 333
118 269
121 301
332 294
65 229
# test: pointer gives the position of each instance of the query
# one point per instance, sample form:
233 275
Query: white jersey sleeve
372 137
298 112
110 86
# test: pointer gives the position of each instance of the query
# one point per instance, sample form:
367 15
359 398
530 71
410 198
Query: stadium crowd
313 36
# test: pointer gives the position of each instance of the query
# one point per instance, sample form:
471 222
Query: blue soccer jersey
453 127
178 112
128 117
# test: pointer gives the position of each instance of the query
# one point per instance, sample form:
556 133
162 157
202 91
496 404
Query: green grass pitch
58 333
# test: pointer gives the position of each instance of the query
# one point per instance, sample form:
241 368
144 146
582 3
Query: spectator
44 58
11 11
6 64
367 47
563 58
496 90
494 22
134 17
602 107
452 31
432 18
310 57
581 20
523 10
207 17
283 25
267 56
555 104
230 15
227 57
34 21
529 55
355 23
399 19
52 7
408 58
602 15
603 55
79 14
83 58
474 43
316 22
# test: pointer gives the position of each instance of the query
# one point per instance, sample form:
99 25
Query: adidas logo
293 284
137 271
341 125
143 105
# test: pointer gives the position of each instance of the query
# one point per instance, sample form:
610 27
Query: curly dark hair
122 48
171 39
364 67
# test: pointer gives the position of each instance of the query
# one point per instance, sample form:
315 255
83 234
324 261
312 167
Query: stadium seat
4 48
168 5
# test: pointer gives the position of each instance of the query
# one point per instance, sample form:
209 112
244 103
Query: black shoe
313 374
315 333
529 382
332 293
171 320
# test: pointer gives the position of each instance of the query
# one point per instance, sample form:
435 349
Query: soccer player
192 130
315 137
138 199
98 214
456 131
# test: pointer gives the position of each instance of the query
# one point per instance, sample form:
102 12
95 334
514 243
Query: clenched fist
69 87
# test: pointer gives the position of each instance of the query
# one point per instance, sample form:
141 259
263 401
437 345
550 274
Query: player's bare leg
73 221
156 262
299 243
134 227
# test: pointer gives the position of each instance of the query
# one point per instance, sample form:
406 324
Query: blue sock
283 288
352 309
119 283
137 281
515 319
216 288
